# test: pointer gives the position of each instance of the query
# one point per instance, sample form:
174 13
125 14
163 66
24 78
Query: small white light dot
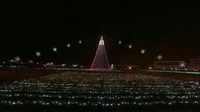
130 46
142 51
55 49
68 45
80 42
38 53
159 57
120 42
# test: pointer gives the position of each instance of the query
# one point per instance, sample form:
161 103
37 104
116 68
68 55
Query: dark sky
170 28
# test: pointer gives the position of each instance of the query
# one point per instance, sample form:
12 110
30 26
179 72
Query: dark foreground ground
36 90
9 74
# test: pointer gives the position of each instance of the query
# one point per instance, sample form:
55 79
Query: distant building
169 65
127 67
195 64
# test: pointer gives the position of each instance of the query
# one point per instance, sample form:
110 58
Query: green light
184 72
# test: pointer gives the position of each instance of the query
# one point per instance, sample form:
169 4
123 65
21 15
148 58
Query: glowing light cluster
101 42
130 46
38 54
100 61
80 41
142 51
159 57
55 49
66 89
182 64
17 59
68 45
120 42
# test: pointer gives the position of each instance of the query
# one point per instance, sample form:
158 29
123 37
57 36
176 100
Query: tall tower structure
100 61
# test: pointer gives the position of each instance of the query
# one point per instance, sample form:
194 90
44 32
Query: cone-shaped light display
100 61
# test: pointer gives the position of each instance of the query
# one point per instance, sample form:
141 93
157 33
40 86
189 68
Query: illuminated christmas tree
100 61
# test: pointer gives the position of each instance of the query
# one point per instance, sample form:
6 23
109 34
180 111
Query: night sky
170 28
